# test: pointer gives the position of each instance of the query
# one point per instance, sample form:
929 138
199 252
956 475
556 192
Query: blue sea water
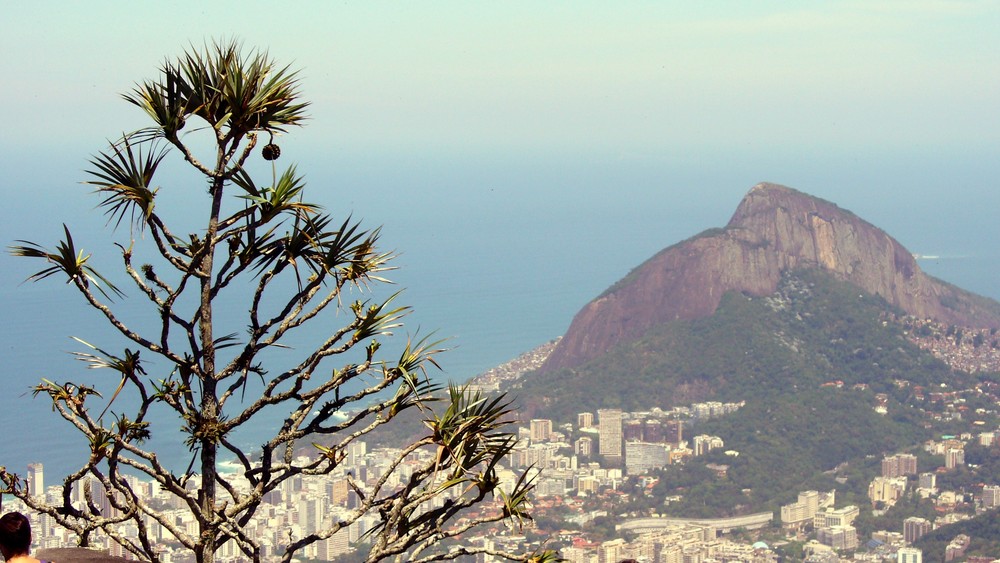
496 252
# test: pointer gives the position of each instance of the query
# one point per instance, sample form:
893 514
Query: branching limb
124 330
167 244
189 156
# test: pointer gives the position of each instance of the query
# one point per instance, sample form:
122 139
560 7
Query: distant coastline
507 372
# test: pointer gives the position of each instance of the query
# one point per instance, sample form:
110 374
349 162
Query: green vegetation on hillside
811 362
815 329
983 531
785 441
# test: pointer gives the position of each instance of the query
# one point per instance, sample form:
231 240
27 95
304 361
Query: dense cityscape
593 473
572 481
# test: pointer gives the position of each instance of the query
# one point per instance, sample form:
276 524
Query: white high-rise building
836 517
887 489
909 555
705 443
991 496
541 429
356 451
36 480
927 480
801 512
838 537
914 528
954 457
610 434
899 464
641 457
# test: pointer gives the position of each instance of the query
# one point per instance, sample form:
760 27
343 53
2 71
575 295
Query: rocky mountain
774 230
819 325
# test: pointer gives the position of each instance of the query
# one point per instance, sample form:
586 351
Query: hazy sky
634 77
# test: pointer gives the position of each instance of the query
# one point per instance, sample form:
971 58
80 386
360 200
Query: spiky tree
290 266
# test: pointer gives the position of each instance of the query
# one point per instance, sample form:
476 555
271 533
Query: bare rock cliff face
774 229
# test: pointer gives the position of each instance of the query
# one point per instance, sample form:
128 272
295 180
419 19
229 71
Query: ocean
496 252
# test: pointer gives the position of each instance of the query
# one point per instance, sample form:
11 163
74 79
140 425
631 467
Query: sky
631 77
524 156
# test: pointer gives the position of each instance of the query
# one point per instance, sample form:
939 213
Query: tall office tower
337 490
611 550
356 452
641 457
609 434
311 511
700 445
889 467
836 517
673 432
541 429
838 537
334 546
798 514
927 480
652 431
810 499
36 480
898 465
991 496
954 457
705 443
907 464
632 431
909 555
671 554
914 527
886 489
101 500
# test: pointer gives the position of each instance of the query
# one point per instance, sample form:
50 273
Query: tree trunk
209 416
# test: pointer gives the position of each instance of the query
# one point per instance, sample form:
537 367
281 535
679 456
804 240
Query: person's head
15 535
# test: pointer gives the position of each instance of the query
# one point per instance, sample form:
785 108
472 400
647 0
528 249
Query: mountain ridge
775 229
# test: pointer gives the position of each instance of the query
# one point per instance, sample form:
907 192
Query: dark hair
15 534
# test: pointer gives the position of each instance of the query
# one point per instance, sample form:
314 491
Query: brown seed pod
271 151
